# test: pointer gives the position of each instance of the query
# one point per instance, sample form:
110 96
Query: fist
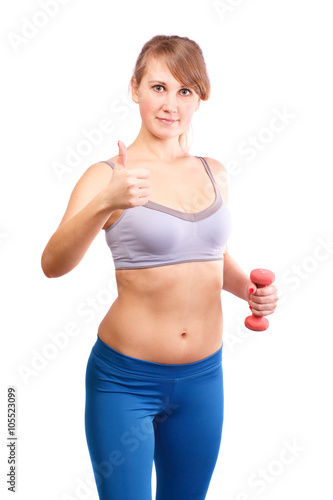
130 187
262 301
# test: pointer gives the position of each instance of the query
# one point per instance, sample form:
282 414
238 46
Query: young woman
154 383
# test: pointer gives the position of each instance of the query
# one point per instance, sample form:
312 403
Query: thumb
251 289
122 156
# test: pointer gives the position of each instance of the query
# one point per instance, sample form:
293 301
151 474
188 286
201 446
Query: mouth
167 122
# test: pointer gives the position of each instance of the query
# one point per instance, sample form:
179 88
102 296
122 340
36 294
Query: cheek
147 108
189 110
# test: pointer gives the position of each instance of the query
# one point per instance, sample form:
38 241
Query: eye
186 90
160 86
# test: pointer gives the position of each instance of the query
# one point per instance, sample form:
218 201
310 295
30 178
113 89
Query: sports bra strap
207 167
111 163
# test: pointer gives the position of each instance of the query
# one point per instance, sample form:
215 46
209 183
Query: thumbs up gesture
128 187
122 157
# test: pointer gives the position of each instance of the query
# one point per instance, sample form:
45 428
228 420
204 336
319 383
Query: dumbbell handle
261 278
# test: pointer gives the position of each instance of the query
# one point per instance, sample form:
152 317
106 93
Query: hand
262 301
129 187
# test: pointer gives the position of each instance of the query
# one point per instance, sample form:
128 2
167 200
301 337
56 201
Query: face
166 106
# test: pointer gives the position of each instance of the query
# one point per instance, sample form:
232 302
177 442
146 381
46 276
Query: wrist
105 204
235 280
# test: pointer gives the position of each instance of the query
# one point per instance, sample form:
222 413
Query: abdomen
167 314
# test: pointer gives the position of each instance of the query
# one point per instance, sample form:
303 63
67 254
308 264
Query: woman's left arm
263 301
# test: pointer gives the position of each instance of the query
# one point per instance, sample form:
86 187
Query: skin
168 314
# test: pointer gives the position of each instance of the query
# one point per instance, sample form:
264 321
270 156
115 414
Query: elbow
52 267
48 274
47 267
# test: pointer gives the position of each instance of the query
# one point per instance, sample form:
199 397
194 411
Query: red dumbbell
261 278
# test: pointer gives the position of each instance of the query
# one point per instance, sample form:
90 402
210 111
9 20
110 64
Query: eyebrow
157 81
162 83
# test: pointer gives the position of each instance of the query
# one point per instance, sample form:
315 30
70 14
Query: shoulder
94 177
220 175
96 174
91 182
216 166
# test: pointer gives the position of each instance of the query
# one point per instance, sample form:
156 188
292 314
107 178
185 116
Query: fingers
264 301
142 200
144 185
263 309
122 155
142 181
266 312
135 182
141 173
144 190
141 186
266 290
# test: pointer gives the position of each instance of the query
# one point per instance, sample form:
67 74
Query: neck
153 148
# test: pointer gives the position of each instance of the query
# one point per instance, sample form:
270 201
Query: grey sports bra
154 235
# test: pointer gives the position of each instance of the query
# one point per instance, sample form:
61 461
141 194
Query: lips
166 121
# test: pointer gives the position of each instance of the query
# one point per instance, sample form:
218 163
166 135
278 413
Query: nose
170 103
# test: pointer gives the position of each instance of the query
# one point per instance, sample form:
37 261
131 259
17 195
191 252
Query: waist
164 334
170 314
142 367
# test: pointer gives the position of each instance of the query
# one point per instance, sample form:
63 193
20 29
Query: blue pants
138 412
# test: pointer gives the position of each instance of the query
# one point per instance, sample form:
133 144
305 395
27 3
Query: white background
263 57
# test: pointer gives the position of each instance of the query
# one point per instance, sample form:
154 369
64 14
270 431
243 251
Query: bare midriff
168 314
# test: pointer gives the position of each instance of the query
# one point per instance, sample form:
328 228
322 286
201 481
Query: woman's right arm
96 195
88 210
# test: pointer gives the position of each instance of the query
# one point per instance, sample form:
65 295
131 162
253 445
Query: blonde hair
185 62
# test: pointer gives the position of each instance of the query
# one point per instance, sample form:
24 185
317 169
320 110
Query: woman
154 384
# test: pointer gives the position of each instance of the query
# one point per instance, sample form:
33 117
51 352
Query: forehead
158 70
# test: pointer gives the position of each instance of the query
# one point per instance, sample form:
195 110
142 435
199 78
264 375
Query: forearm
235 280
70 242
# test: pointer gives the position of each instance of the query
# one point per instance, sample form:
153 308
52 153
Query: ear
134 90
198 105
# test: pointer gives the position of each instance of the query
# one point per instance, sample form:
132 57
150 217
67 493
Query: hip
113 363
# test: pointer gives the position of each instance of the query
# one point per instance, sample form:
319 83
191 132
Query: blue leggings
138 412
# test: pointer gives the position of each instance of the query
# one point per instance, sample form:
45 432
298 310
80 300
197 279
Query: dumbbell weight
261 278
